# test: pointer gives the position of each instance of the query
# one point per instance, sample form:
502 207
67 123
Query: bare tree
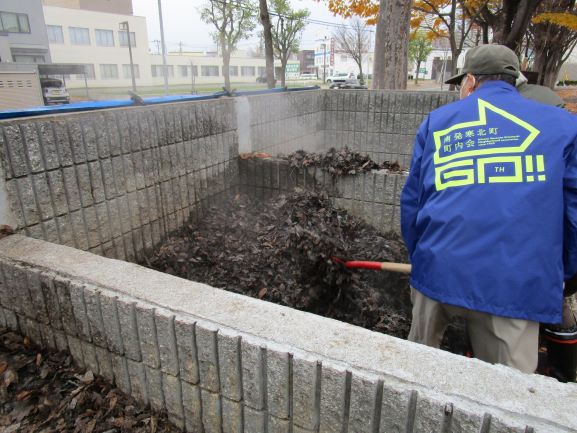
391 45
268 45
286 32
233 22
354 40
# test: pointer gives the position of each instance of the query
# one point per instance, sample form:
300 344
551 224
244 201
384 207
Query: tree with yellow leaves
553 36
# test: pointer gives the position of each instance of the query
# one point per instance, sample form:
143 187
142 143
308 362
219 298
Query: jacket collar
491 86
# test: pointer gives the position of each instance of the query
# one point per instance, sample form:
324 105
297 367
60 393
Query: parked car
349 83
339 77
54 91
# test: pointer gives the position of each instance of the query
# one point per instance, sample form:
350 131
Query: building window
104 38
247 71
124 39
79 36
19 58
126 71
89 70
209 71
157 70
55 34
261 71
109 72
183 70
233 71
14 23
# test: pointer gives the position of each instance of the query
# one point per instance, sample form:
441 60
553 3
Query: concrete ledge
225 361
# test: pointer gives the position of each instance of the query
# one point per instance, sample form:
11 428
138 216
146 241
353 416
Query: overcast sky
182 23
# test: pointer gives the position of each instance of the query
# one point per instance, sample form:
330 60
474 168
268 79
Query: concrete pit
90 194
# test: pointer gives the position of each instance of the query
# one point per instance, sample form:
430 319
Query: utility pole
164 66
126 27
325 61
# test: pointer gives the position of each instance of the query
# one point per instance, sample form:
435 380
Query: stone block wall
284 122
378 123
374 196
115 182
221 362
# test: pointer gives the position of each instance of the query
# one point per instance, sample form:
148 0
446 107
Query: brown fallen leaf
23 395
38 359
262 292
10 376
3 367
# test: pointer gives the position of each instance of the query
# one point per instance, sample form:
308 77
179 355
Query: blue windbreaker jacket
489 210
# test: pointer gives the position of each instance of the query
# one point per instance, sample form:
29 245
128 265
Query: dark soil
280 250
41 392
340 162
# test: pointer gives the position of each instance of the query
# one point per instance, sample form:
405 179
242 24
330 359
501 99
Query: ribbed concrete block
253 374
128 328
47 335
186 347
104 364
31 329
433 415
166 341
61 341
254 420
111 323
229 365
121 374
207 353
276 425
89 356
11 320
398 410
335 388
211 412
3 323
147 335
306 391
75 349
365 404
94 314
192 407
154 388
232 416
76 290
172 391
17 290
137 377
37 297
278 383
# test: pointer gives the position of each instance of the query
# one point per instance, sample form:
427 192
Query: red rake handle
403 268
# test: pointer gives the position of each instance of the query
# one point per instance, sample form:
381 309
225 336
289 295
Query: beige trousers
495 339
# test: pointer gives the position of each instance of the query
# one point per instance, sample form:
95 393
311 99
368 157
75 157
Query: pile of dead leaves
280 250
42 392
340 162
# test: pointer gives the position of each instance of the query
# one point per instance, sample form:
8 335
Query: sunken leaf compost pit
282 250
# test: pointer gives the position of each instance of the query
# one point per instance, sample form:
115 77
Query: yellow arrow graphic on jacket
483 107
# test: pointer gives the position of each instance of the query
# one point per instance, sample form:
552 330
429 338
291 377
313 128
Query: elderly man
489 213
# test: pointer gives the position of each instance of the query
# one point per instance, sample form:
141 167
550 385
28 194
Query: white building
330 60
94 38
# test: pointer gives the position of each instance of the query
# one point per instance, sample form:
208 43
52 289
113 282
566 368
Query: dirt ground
41 392
570 98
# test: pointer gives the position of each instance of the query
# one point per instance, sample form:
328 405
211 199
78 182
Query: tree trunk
268 50
360 65
226 67
391 45
283 63
417 72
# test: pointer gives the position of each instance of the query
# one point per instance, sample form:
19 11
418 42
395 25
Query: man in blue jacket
489 213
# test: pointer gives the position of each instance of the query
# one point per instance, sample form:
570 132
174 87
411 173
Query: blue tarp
115 103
